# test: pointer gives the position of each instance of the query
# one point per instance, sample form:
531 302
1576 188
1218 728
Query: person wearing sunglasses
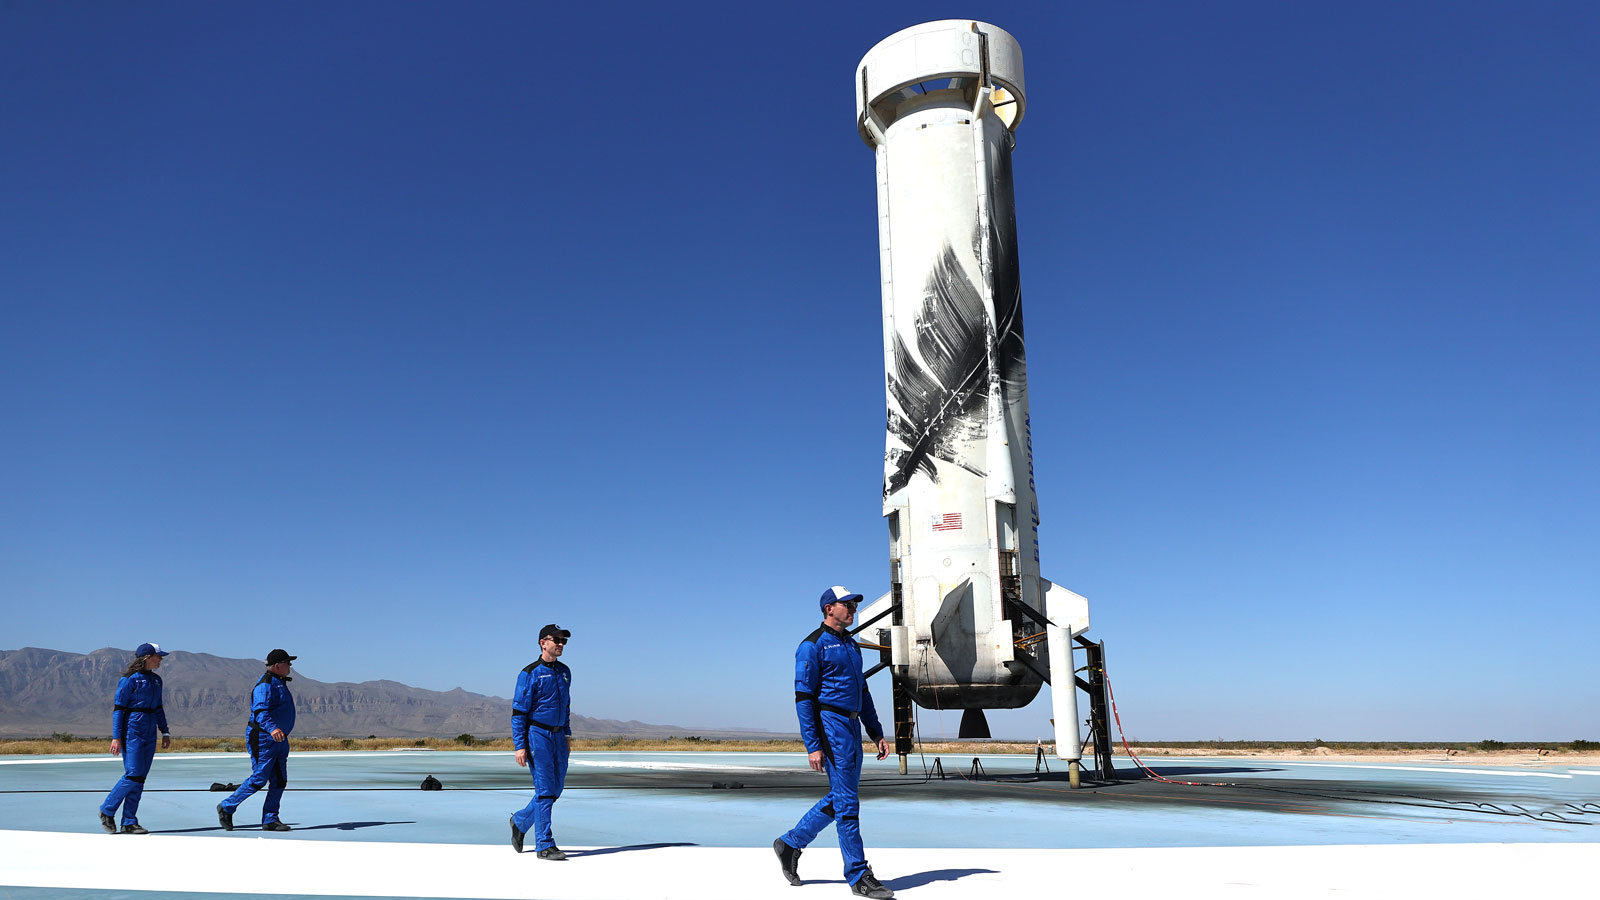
541 723
832 702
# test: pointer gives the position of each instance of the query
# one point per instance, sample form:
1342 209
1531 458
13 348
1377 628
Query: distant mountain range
46 691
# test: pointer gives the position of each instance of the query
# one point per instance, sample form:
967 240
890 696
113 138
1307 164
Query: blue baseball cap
148 649
837 594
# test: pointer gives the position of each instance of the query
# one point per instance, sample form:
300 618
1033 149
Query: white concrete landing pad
359 868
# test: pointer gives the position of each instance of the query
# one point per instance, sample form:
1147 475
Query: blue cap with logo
837 594
149 649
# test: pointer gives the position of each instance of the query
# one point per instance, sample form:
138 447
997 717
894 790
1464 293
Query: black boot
134 828
108 823
788 860
224 818
275 826
516 836
871 888
552 853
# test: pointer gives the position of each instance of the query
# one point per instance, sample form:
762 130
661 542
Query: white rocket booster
939 103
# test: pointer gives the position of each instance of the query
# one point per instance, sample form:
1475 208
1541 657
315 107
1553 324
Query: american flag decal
947 522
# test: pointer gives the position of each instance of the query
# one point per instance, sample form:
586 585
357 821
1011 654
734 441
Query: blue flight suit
135 717
832 702
541 722
271 707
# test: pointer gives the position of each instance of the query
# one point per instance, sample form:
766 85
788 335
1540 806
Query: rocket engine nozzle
974 724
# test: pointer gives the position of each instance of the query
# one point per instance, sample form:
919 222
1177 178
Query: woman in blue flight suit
541 724
136 716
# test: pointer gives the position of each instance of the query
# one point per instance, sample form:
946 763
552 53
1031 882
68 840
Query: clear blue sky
388 333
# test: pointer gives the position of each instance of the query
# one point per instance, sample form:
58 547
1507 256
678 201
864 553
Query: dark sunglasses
559 640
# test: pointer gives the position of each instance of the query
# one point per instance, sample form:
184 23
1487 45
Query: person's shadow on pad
342 826
601 851
917 880
922 878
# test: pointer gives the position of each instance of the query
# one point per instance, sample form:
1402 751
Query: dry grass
1576 752
1532 754
225 745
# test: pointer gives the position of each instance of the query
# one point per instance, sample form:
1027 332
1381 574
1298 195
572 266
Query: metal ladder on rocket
972 625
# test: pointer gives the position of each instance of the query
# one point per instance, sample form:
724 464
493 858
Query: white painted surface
214 865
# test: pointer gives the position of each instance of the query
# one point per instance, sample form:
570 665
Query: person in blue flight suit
541 723
271 721
832 702
136 715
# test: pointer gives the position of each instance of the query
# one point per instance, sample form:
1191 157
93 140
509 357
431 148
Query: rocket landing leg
904 724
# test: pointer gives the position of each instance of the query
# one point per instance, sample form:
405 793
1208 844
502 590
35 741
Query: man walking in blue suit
832 702
271 720
541 723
